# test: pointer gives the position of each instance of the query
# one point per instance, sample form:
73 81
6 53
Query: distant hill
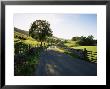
59 38
21 31
27 33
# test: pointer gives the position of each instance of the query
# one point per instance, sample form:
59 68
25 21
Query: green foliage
20 46
40 30
52 41
27 65
86 41
88 48
93 49
25 60
20 36
70 43
75 38
65 41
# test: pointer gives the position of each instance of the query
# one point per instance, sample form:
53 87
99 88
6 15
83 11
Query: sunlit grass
28 66
61 50
88 48
70 43
58 50
31 42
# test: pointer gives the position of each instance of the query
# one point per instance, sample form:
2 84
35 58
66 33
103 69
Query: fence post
91 55
85 53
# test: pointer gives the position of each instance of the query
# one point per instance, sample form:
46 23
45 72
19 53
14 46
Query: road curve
53 63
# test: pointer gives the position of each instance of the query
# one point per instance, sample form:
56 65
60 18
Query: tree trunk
41 43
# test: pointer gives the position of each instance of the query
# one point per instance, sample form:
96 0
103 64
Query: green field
88 48
70 43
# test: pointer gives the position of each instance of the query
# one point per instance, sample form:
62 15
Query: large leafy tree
40 30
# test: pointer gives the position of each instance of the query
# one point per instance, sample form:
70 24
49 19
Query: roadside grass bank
88 48
25 64
62 50
74 55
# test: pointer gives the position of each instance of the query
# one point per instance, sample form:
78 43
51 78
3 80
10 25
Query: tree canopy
75 38
85 41
40 30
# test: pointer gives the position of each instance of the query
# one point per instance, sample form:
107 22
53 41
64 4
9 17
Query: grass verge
88 48
26 65
62 50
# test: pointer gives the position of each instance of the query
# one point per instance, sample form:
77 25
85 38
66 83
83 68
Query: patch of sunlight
31 42
50 68
57 49
50 65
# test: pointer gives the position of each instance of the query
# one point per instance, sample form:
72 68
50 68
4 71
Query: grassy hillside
73 44
21 31
25 61
19 37
70 43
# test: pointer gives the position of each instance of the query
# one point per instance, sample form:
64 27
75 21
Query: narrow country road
53 63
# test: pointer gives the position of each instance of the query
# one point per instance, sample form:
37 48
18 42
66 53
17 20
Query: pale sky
63 25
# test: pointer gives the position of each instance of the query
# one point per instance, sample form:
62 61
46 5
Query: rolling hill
21 31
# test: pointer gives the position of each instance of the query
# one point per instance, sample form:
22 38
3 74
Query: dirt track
53 63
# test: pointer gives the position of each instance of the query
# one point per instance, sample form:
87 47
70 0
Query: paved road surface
53 63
